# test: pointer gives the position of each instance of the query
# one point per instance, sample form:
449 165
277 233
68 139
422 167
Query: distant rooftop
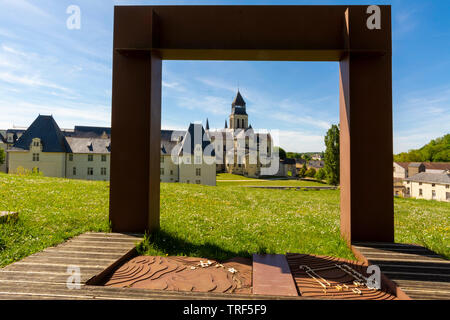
440 178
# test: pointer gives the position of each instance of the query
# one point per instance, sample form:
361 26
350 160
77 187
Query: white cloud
66 114
291 118
208 104
33 81
297 141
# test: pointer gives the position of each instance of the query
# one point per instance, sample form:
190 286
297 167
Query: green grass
228 179
210 222
230 176
51 210
423 222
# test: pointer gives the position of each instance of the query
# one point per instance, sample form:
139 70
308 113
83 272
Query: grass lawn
211 222
230 176
51 210
228 179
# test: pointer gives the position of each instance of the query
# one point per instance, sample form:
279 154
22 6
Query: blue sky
47 68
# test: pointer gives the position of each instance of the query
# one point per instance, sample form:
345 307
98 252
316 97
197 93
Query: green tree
281 152
302 171
437 150
306 157
321 174
332 155
2 156
311 173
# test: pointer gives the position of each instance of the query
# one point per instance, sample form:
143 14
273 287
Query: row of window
162 171
196 181
198 172
90 157
90 171
433 185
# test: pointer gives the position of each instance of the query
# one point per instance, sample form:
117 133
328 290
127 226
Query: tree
2 156
332 155
281 152
437 150
311 173
306 157
321 174
302 171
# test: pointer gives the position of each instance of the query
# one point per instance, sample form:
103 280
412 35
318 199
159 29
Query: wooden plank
76 254
68 260
417 271
102 251
272 275
50 268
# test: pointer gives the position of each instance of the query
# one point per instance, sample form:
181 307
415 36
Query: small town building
430 186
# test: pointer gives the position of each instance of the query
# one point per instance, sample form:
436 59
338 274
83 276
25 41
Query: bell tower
238 116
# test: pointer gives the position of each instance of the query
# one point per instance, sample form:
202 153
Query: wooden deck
417 272
44 275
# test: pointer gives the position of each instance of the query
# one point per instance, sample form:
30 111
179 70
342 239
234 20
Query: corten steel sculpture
145 35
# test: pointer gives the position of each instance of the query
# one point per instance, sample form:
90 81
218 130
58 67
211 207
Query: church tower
238 116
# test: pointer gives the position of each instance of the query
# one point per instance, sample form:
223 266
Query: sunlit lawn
227 179
217 222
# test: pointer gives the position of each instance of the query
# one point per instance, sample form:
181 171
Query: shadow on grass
162 243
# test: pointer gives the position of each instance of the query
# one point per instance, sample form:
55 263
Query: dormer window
35 156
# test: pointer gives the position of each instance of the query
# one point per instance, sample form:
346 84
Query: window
171 173
198 172
433 194
35 156
90 171
433 185
162 159
162 171
420 183
74 171
187 181
198 159
197 181
36 143
103 171
90 157
70 157
420 192
447 186
103 157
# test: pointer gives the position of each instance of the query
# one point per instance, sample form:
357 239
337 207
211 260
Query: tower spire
226 125
207 124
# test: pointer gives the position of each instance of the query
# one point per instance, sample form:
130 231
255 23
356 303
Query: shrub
311 172
321 174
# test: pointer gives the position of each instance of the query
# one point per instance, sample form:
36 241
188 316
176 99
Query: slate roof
46 129
440 178
194 136
239 110
2 138
238 100
404 165
89 145
316 163
437 165
166 144
288 161
90 132
415 164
